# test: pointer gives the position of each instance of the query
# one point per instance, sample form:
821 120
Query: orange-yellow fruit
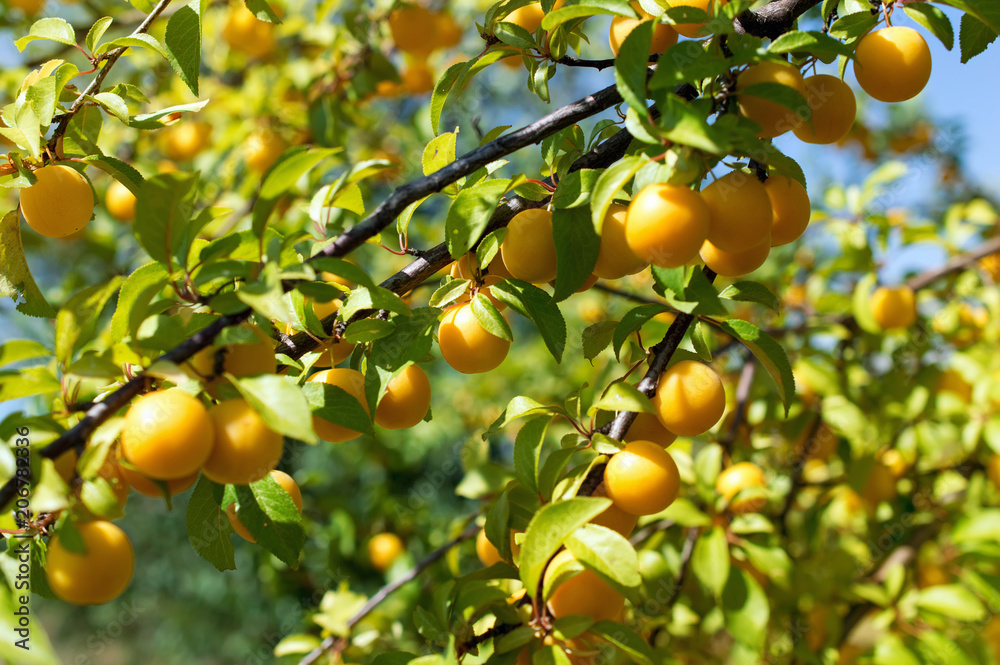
406 399
664 36
244 32
383 550
528 17
739 477
185 140
335 351
647 427
833 109
692 30
613 517
66 464
892 64
449 33
484 288
773 118
466 345
690 398
262 149
486 551
413 30
615 259
584 594
120 202
247 359
740 214
167 434
528 250
60 203
952 381
880 486
894 307
417 78
736 264
148 486
990 264
642 478
29 7
287 483
96 577
245 449
790 208
353 382
666 225
460 269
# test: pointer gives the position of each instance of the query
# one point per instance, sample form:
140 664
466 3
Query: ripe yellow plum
466 345
262 149
833 109
666 225
693 30
790 207
250 359
736 264
894 307
287 483
148 486
185 140
690 398
615 259
417 78
245 449
583 594
528 250
952 381
246 33
892 64
528 17
736 478
740 214
664 36
642 478
486 551
773 118
383 550
167 434
60 203
120 202
647 427
96 577
351 381
413 30
613 517
406 399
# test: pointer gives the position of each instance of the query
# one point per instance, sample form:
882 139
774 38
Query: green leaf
121 171
973 37
527 451
710 560
530 301
981 526
597 337
439 152
412 339
137 292
780 94
548 530
163 208
622 396
518 407
155 120
853 26
15 646
490 318
514 35
140 40
890 650
746 608
82 133
607 552
27 382
183 44
335 404
282 177
263 11
814 43
52 29
265 295
577 246
632 63
953 601
934 20
469 214
986 11
574 188
208 527
770 354
281 404
269 514
746 291
21 349
77 319
684 124
443 87
113 104
16 281
364 298
609 184
97 31
368 330
634 320
625 639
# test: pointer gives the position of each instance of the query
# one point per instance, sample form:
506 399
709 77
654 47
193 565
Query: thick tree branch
773 19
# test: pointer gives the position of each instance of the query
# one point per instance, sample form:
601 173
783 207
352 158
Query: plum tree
245 449
406 400
383 550
666 225
466 345
737 478
353 383
60 203
892 64
894 307
642 479
97 575
690 398
286 482
740 214
528 250
167 434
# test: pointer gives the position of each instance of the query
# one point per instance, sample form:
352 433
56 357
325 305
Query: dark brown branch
388 589
955 264
689 542
773 19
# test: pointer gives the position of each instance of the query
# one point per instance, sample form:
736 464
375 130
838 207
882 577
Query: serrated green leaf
282 176
622 396
16 281
269 514
607 552
770 354
335 404
182 42
953 601
577 246
163 209
710 560
470 213
527 451
746 291
281 404
974 36
19 350
77 319
548 530
52 29
530 301
625 639
97 31
208 527
490 318
597 337
814 43
631 65
137 292
934 20
609 184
